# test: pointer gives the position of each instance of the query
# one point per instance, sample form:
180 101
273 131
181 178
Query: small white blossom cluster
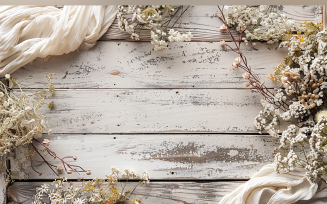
59 193
153 17
175 36
92 192
312 140
259 22
267 118
297 109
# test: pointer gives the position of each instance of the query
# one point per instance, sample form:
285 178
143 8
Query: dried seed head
223 28
235 65
306 106
246 75
60 169
238 60
246 84
46 142
312 106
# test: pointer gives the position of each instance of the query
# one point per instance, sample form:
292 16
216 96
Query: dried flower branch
20 123
69 168
21 126
153 17
263 23
302 85
96 191
241 62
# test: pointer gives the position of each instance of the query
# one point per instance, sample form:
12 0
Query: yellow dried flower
51 85
310 28
50 105
39 104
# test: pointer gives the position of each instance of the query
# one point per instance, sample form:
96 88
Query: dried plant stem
183 11
53 154
45 161
253 79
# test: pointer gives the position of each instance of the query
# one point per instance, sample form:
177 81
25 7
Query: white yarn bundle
28 32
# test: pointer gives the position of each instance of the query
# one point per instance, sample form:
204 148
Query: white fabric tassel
268 187
28 32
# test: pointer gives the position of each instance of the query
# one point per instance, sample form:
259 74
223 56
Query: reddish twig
74 168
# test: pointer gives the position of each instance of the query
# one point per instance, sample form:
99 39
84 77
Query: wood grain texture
135 65
202 21
153 111
154 192
115 101
164 156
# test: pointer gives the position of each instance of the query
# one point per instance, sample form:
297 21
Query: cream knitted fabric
268 187
28 32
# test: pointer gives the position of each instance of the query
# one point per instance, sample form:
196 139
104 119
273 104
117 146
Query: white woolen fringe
268 187
28 32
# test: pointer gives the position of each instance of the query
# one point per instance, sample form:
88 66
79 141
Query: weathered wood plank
154 192
153 111
136 65
202 21
164 156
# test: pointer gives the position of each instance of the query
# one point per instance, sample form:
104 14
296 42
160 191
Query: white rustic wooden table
181 114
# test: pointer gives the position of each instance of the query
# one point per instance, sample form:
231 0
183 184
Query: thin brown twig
53 154
44 159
